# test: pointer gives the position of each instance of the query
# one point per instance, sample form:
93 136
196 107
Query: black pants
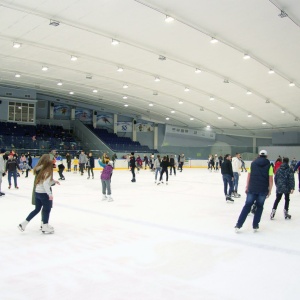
81 167
60 172
133 173
90 170
162 172
172 168
69 166
278 198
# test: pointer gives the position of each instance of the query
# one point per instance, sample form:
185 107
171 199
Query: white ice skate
47 228
23 225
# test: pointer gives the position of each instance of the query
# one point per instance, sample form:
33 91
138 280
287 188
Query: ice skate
23 225
104 198
47 228
237 228
229 199
272 215
286 215
255 228
110 198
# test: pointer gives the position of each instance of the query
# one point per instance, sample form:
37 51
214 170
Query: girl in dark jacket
164 169
91 165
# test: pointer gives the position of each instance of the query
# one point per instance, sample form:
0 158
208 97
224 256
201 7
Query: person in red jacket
277 165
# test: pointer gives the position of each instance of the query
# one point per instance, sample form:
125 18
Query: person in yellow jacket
75 164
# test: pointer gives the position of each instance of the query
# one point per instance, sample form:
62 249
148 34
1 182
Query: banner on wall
61 111
105 120
84 115
144 127
124 126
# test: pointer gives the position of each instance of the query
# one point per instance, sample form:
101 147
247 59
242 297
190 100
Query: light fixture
180 102
186 89
120 69
71 93
231 107
125 86
283 14
282 111
167 118
211 98
192 119
248 92
198 71
172 111
213 40
219 117
125 97
291 84
161 57
264 122
169 19
59 83
115 42
74 58
151 104
95 91
54 23
155 93
249 115
44 68
126 105
207 126
17 75
16 45
267 101
271 71
156 79
246 56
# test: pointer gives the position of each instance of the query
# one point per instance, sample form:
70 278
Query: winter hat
3 150
263 153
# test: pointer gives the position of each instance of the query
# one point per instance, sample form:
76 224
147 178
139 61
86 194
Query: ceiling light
282 111
264 122
17 75
292 84
95 91
157 79
54 23
71 93
44 68
74 58
231 107
180 102
172 111
198 71
249 115
283 14
186 89
125 97
161 57
192 119
115 42
169 19
125 86
167 118
16 45
207 126
246 56
271 71
267 101
211 98
248 92
59 83
120 69
151 104
219 117
213 40
126 105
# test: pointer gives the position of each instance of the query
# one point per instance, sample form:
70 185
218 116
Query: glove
3 174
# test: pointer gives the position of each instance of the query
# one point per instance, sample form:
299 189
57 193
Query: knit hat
3 150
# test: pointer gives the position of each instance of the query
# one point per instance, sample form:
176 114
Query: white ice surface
174 242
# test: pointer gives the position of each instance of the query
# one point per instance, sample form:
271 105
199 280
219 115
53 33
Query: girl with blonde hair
43 197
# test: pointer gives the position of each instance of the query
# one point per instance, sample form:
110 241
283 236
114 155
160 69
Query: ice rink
167 242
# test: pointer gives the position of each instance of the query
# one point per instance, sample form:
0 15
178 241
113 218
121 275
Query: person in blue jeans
227 175
258 188
11 169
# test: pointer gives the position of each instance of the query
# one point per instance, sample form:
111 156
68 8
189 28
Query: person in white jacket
43 194
236 167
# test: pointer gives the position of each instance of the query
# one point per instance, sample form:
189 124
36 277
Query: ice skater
106 179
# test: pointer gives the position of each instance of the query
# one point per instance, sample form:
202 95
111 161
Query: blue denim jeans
236 181
14 175
227 179
158 169
259 199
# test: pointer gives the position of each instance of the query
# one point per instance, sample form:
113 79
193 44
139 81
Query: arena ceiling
128 54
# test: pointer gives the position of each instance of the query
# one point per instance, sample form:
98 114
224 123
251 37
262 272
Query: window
21 112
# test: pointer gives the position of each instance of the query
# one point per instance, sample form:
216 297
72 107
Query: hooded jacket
284 179
259 176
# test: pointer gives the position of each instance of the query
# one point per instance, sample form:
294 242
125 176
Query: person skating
106 179
82 161
236 166
90 165
61 168
164 169
285 184
227 175
11 169
2 169
157 166
172 164
132 166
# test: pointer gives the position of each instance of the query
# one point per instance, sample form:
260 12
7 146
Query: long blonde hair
43 169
